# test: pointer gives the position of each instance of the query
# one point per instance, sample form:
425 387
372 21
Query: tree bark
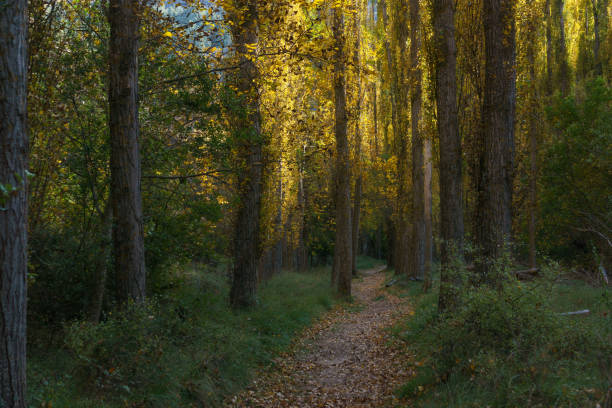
451 188
128 237
597 41
392 72
356 219
427 202
533 162
278 222
495 227
563 74
400 35
302 261
13 203
250 155
106 240
343 243
375 119
391 236
358 180
417 268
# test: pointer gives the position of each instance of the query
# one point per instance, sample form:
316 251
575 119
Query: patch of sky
195 18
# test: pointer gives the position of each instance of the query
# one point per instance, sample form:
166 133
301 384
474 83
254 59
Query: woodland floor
346 359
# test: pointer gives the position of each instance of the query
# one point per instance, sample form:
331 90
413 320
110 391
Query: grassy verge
184 349
511 347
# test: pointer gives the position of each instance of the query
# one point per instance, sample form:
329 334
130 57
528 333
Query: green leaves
577 170
8 189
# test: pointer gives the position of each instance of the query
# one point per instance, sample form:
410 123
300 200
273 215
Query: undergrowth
365 262
186 348
511 346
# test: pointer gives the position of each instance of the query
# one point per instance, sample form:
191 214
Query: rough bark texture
128 238
343 248
250 152
427 202
533 193
13 203
495 214
533 160
358 179
400 93
451 190
417 268
388 139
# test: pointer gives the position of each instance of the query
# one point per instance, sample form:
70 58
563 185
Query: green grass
185 349
366 262
511 348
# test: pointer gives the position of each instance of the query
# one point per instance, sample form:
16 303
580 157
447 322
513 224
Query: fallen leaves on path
347 359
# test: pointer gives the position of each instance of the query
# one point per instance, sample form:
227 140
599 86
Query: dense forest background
188 147
183 153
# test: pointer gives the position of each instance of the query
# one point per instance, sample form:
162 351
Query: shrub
507 346
185 349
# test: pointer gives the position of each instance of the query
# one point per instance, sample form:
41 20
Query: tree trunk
250 172
101 271
495 227
391 236
343 248
563 76
356 217
278 222
549 49
288 259
128 239
399 90
375 118
302 261
596 43
533 162
451 188
357 196
417 268
427 202
392 72
13 203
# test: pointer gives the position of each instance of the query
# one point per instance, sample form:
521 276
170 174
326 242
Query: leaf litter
346 359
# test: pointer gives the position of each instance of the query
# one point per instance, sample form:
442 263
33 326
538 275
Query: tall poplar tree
560 47
247 131
13 203
128 237
356 214
451 189
495 214
400 35
418 163
342 275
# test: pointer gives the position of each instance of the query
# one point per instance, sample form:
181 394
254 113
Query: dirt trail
345 360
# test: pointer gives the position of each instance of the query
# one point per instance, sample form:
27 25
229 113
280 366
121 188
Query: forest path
347 359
